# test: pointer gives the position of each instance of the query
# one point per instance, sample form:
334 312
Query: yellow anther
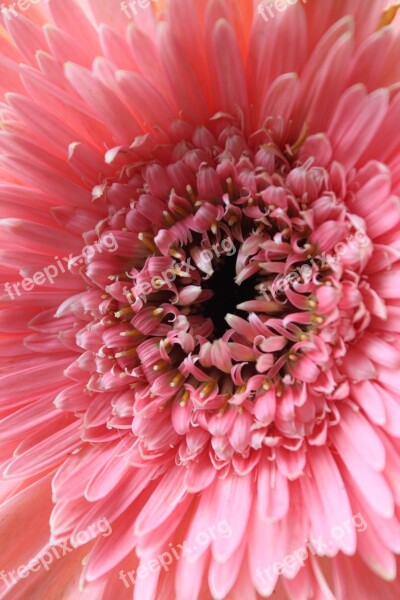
230 187
177 380
130 352
175 253
168 218
130 333
317 319
191 193
123 311
388 15
206 389
160 364
185 398
147 240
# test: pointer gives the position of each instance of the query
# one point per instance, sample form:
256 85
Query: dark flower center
227 294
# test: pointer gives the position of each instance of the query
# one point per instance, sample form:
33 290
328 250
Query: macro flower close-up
199 300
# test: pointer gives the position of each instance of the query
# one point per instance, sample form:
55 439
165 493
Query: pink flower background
199 139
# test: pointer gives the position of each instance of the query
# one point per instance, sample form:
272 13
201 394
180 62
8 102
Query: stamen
130 352
147 240
317 319
233 220
312 303
230 187
176 253
168 218
130 333
191 193
177 380
388 15
185 398
159 365
206 389
124 311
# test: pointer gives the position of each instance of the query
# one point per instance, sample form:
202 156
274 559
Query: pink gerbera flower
200 349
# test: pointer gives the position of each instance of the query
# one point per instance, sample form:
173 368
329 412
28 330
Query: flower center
227 294
237 282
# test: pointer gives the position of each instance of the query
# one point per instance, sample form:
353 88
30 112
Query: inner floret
237 282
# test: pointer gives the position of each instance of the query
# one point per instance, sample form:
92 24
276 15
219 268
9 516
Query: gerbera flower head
200 322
